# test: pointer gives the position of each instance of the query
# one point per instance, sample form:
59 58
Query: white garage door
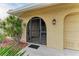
71 33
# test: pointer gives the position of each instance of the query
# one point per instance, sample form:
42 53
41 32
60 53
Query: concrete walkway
44 51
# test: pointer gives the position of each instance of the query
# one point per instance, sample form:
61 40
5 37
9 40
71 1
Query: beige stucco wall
55 33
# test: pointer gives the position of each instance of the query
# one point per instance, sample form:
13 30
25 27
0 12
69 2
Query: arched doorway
36 31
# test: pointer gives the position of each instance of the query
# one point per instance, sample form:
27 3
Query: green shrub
12 26
2 37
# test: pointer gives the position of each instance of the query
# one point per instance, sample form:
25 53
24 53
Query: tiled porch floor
44 51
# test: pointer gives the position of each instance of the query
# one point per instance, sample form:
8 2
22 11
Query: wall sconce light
54 21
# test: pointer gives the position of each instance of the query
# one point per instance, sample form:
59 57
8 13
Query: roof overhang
31 6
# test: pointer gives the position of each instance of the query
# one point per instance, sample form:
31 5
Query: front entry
36 31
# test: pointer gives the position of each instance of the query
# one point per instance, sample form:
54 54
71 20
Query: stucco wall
55 33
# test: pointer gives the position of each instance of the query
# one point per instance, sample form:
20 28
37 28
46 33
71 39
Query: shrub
2 37
12 27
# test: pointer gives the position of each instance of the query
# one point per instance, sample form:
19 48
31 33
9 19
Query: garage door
71 32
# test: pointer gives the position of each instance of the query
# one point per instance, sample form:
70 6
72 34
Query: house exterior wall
55 33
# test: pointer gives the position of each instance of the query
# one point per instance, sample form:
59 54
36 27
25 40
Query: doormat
34 46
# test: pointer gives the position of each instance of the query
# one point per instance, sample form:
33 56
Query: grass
10 51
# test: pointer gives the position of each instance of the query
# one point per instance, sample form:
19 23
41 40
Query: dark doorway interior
36 31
